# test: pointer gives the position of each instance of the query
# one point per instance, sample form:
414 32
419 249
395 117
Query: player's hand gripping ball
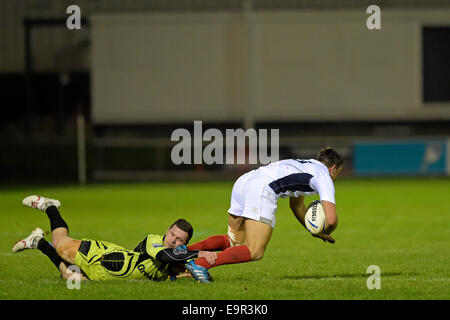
315 217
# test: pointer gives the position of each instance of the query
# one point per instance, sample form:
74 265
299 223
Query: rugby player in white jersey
254 203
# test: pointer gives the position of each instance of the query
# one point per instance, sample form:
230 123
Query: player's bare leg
60 230
237 252
68 248
59 235
257 236
236 229
235 236
65 246
67 272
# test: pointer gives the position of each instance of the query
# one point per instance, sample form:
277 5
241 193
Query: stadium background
137 70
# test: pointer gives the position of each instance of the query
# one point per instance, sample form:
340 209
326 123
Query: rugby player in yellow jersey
157 257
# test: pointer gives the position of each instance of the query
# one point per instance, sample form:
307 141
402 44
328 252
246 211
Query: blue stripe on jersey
293 182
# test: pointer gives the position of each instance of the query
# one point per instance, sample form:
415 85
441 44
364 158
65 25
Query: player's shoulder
311 167
312 164
155 240
318 169
319 165
291 162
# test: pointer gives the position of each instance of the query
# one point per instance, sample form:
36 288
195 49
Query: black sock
50 252
56 221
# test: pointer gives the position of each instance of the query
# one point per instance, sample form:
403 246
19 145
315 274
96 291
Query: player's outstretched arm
181 254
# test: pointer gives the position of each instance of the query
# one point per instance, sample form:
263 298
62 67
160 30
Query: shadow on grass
341 276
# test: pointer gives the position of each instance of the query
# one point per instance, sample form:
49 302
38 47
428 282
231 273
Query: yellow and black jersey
101 260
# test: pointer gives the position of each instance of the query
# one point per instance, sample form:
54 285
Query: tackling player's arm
181 255
177 255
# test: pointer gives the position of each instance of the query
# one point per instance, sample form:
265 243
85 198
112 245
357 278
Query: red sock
213 243
231 255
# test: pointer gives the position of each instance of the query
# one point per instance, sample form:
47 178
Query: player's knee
66 251
256 254
60 244
234 238
57 243
59 249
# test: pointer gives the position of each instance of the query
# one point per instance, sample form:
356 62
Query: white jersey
255 194
297 177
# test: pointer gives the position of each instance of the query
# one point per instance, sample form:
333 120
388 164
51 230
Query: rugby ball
315 217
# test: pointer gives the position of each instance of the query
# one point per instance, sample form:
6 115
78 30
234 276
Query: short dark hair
185 226
329 157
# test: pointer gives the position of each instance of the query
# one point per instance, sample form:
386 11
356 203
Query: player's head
334 162
179 233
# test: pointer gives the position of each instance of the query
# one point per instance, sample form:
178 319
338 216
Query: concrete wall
297 66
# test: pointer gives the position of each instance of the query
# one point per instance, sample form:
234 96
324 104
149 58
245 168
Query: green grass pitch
400 225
